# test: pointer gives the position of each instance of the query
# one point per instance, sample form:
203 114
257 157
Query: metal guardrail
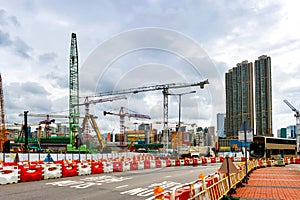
202 190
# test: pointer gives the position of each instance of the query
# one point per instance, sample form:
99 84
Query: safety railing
212 187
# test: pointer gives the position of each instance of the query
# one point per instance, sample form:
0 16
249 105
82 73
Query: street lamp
179 114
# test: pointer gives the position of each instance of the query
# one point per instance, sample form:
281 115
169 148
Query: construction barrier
163 163
152 164
147 164
69 169
117 166
168 163
97 167
133 165
31 172
108 167
157 163
84 169
212 187
52 170
141 164
9 174
213 160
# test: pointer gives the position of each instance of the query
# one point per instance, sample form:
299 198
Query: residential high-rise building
239 98
263 96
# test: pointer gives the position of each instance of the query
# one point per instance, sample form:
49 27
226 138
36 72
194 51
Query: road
129 185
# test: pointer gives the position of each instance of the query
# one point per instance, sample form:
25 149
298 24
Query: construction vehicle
125 112
196 151
165 90
55 142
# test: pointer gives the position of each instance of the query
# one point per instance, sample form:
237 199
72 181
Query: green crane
73 92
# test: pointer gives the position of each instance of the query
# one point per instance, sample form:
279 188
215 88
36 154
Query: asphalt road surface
129 185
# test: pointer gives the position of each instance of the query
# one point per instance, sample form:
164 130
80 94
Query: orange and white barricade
9 174
52 170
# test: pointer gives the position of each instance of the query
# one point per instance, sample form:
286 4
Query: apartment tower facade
263 96
239 98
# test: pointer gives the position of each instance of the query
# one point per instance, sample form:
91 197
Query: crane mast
165 90
90 118
73 90
122 114
3 136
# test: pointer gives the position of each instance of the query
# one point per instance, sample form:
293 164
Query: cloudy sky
128 44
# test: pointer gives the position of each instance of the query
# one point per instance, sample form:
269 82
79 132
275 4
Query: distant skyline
196 40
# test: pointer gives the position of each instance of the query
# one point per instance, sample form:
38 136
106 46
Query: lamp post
179 113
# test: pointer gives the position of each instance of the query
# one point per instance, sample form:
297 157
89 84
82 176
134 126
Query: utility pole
179 114
26 130
244 129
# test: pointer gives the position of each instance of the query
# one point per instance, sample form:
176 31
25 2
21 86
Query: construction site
74 134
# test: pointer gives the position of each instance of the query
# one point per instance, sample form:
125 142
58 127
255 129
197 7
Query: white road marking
122 186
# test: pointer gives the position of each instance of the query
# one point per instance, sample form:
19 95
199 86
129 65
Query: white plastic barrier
181 162
208 160
84 169
173 162
141 164
163 163
108 167
152 164
237 159
217 159
52 170
126 166
9 174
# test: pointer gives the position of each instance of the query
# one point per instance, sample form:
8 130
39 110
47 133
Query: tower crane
165 90
89 118
3 133
122 114
73 89
297 114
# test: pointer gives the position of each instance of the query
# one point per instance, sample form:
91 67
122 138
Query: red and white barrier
152 164
9 174
126 166
52 170
108 167
141 164
84 169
